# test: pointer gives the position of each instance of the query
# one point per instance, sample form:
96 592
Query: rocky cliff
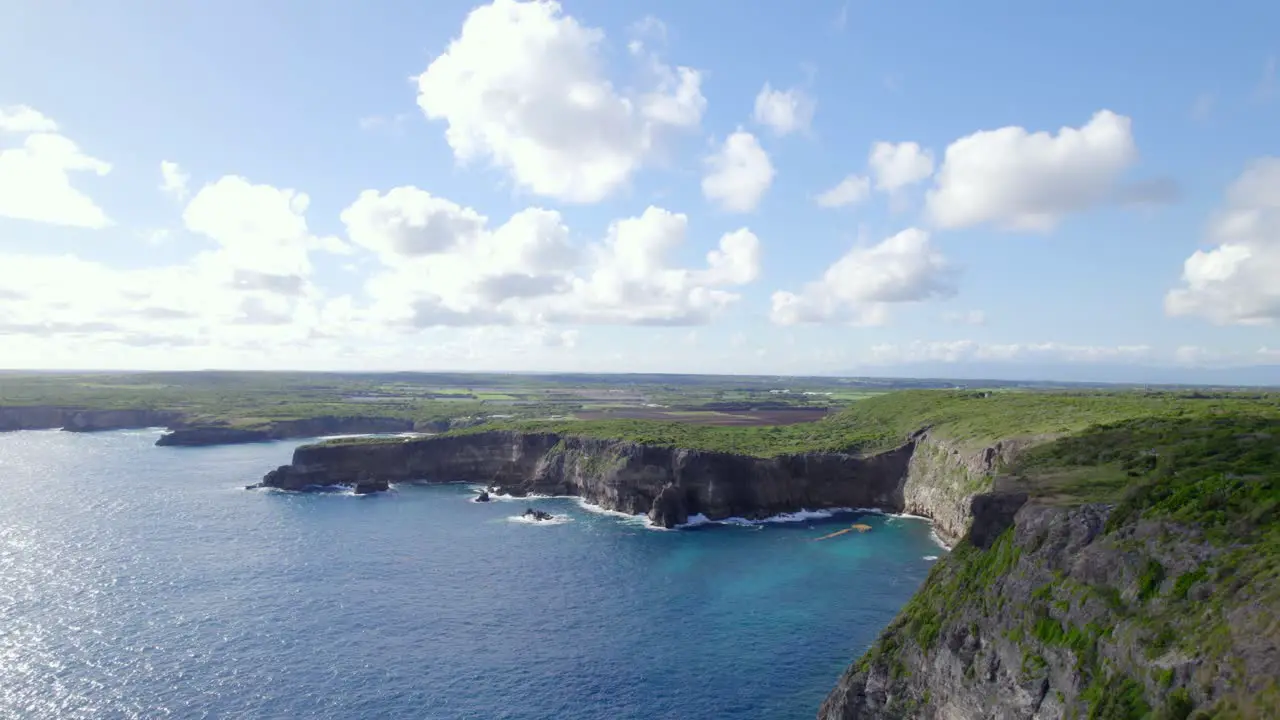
186 432
43 417
1063 614
668 484
196 435
945 476
1043 611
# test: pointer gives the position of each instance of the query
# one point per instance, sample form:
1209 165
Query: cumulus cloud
445 265
525 86
258 228
25 119
62 296
35 178
1019 180
1238 281
739 173
784 111
861 286
897 165
849 191
173 180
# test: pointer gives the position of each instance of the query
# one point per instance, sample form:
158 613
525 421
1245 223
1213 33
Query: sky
830 187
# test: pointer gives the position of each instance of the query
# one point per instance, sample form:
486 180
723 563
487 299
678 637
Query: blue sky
1044 179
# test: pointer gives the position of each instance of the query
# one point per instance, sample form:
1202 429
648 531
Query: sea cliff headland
1114 554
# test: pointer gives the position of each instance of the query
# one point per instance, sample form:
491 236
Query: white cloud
860 287
525 86
25 119
410 222
897 165
446 266
54 297
1238 282
1028 181
174 180
849 191
35 181
739 173
259 228
959 351
968 317
784 111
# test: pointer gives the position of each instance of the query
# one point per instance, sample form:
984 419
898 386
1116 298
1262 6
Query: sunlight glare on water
138 581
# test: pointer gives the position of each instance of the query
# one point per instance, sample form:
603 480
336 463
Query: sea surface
141 581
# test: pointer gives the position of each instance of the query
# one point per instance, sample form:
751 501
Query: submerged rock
483 496
538 515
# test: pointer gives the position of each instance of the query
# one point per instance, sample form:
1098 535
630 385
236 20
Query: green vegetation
253 399
1192 548
1120 697
972 419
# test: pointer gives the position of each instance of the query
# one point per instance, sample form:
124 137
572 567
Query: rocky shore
1041 612
187 432
44 417
667 484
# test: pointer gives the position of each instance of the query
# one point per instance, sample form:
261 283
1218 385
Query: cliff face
198 435
944 477
71 419
667 483
42 417
1061 617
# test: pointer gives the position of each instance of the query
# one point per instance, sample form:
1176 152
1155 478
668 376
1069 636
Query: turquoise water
138 581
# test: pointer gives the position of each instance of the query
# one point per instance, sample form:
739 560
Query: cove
143 580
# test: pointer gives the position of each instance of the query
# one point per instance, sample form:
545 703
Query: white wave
495 496
930 558
933 535
696 520
557 520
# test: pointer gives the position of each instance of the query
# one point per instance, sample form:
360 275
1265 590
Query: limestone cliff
44 417
1041 612
945 476
215 434
1064 615
669 484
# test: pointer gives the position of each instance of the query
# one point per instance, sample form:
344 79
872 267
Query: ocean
145 582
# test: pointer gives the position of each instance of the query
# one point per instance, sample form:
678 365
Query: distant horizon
1264 377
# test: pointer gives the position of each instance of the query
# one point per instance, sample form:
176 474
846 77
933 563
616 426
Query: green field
970 419
248 399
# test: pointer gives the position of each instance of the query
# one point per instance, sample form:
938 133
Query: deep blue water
138 581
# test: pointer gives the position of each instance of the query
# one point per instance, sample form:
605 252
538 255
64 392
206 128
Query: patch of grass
1150 581
970 419
1119 698
1186 581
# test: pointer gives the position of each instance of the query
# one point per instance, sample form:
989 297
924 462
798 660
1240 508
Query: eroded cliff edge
668 484
922 475
196 431
1164 607
1068 615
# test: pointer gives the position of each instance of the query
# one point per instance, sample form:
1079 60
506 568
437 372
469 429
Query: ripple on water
135 583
